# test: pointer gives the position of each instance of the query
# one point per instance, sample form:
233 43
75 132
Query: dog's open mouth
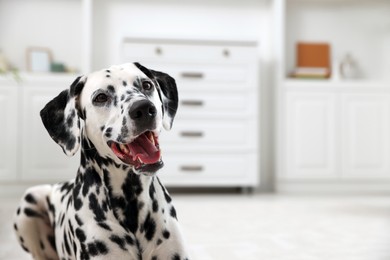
142 151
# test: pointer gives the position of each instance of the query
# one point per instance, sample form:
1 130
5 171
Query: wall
41 23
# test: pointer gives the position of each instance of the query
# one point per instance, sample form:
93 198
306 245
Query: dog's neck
120 189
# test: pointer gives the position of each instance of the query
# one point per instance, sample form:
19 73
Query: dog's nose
143 111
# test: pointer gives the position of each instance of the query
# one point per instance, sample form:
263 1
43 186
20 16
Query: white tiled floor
229 227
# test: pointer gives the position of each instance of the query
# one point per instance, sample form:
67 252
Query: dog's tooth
124 148
150 137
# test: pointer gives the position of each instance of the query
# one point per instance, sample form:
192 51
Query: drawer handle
226 53
191 134
191 168
192 75
158 51
192 103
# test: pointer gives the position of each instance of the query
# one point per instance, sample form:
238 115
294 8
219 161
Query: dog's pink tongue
144 149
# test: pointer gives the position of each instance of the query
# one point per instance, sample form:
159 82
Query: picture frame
39 59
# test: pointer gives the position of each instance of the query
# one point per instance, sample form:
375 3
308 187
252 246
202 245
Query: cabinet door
310 136
366 132
43 159
8 132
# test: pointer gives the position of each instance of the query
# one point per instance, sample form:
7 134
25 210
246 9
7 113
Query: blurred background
281 145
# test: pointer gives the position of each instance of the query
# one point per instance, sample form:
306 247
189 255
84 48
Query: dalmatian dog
116 207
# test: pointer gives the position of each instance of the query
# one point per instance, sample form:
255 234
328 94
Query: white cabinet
338 136
214 139
27 152
43 159
8 132
310 135
366 135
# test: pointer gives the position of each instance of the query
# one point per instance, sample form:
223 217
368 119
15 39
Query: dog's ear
167 91
61 118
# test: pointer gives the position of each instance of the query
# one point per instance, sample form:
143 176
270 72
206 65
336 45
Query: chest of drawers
214 140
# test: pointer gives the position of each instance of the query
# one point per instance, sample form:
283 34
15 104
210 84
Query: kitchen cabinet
28 154
335 136
43 159
366 135
310 135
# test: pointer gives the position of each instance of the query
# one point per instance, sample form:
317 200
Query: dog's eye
101 98
147 85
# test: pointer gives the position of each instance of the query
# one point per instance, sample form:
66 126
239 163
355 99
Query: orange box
313 55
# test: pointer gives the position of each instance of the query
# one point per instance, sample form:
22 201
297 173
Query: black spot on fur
105 226
91 179
52 241
66 244
50 206
71 227
149 227
155 205
108 132
15 227
124 83
97 248
176 257
96 208
30 199
159 241
80 234
119 241
62 220
154 258
131 188
166 234
166 195
129 240
18 211
111 89
78 220
78 204
32 213
25 249
173 213
108 71
41 245
70 118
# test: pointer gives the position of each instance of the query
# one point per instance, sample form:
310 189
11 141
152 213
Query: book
312 61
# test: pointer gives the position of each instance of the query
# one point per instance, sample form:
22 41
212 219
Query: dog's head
123 109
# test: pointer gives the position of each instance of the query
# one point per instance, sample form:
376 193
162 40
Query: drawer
206 135
209 169
209 77
204 73
188 51
195 105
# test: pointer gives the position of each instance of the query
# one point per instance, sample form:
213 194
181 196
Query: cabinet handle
192 75
226 53
158 51
192 103
191 134
191 168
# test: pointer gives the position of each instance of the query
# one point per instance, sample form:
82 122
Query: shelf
329 84
8 79
358 28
